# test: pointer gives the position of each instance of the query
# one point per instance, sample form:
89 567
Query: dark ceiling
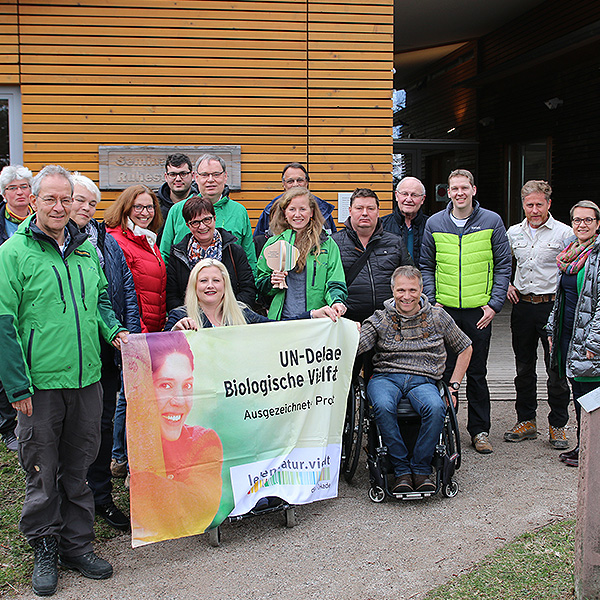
427 30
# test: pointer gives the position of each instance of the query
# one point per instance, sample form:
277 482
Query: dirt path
350 548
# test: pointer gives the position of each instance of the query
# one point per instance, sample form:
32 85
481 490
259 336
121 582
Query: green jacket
325 279
230 215
51 310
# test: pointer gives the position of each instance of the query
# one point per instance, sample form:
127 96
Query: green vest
464 272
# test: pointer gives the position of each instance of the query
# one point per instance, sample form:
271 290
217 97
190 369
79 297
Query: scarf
137 230
92 233
215 250
10 215
573 257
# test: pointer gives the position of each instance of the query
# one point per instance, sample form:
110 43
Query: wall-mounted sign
122 166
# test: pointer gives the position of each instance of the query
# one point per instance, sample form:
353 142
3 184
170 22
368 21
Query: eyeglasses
12 188
586 220
412 195
140 208
180 174
207 221
50 202
209 175
293 180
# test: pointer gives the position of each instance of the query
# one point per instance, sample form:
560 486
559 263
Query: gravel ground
350 548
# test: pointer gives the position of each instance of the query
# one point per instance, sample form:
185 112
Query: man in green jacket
211 176
53 303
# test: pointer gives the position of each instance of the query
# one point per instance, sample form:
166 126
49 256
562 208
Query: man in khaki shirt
535 243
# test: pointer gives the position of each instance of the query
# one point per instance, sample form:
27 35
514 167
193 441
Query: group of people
184 257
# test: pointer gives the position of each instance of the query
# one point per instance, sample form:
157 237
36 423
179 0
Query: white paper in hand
281 256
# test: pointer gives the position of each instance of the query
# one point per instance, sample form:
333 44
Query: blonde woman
210 302
318 277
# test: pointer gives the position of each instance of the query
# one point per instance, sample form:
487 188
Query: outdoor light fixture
553 103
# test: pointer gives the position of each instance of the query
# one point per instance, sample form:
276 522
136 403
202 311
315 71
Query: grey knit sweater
414 344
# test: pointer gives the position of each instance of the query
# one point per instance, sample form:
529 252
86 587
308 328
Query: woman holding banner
317 278
177 481
210 302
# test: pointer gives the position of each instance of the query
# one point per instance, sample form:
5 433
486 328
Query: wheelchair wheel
450 489
376 494
453 441
214 537
353 429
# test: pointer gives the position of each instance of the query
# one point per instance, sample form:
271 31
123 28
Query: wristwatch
455 385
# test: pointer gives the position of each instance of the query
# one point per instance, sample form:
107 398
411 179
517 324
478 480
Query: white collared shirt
536 271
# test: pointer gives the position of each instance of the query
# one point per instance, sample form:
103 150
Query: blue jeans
385 390
119 449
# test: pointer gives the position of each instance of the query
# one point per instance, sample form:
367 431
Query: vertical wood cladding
300 80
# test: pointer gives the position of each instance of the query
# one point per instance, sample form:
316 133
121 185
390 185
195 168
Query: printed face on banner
241 414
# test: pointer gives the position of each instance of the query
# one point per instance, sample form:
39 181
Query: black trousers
527 322
478 393
99 475
8 415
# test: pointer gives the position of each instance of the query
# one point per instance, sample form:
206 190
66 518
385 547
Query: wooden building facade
302 80
519 103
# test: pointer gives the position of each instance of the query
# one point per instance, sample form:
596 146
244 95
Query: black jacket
371 287
3 234
394 223
164 197
234 259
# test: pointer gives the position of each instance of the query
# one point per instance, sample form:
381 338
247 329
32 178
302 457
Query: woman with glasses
133 220
574 324
205 240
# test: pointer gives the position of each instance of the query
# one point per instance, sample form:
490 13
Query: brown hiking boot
482 443
558 437
525 430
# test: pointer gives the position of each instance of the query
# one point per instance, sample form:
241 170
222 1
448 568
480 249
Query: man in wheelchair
409 337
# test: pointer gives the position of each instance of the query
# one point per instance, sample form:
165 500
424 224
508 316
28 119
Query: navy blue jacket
394 223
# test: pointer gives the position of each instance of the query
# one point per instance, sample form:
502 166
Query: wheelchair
360 418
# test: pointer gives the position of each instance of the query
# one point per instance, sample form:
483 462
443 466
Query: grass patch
536 566
16 555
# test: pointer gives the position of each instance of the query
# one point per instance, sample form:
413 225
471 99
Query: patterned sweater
411 344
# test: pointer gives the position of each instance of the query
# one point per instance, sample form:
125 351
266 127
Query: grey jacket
586 326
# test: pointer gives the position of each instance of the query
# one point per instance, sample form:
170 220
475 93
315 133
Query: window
11 127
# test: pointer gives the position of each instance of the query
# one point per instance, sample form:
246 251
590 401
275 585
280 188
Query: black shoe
45 573
403 484
89 565
113 516
10 441
423 483
570 454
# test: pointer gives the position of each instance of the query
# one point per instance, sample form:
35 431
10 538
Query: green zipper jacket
325 279
51 310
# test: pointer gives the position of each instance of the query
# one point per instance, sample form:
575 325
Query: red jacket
149 276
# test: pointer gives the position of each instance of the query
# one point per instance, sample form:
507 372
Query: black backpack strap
356 268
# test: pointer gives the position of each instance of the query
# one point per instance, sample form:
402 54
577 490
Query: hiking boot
45 573
10 441
423 483
403 484
525 430
88 564
558 437
118 469
113 516
482 443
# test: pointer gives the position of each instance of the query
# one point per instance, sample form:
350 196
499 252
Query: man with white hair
408 221
15 186
123 299
53 304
